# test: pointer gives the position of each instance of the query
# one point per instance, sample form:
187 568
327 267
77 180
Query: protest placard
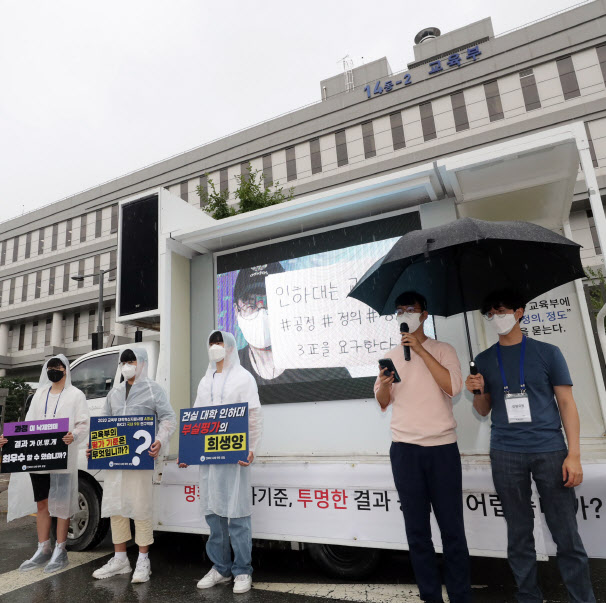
121 442
214 434
35 446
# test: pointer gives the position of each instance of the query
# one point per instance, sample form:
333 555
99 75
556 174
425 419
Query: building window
66 278
493 100
21 336
568 78
83 228
54 237
594 157
11 292
427 122
601 50
24 288
15 249
459 111
183 192
91 323
35 335
80 271
38 284
113 255
397 131
1 291
529 90
368 138
267 171
3 254
98 223
96 269
203 189
51 281
41 241
223 181
28 245
47 331
114 219
341 144
594 233
316 156
76 332
68 233
291 164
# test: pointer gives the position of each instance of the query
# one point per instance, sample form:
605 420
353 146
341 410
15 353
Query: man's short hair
215 337
55 363
410 298
128 356
504 298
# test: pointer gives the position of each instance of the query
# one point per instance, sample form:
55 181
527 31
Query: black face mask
55 375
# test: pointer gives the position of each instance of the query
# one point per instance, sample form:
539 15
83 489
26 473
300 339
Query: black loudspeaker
139 256
138 336
95 341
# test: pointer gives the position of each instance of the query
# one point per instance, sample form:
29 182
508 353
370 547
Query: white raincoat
63 495
225 490
129 493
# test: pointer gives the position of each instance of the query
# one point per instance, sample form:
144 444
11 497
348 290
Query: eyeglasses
249 308
490 315
409 310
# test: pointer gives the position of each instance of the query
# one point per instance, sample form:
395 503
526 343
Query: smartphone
388 364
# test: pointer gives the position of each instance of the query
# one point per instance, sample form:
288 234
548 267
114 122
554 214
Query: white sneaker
212 578
142 571
113 567
242 583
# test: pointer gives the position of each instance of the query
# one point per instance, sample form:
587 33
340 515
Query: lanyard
212 387
56 405
522 355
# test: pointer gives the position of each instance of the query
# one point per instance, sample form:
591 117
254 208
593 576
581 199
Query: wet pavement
281 576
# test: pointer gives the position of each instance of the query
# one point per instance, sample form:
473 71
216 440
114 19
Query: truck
322 478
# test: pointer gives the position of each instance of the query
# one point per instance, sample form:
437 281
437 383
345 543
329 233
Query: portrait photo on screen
297 332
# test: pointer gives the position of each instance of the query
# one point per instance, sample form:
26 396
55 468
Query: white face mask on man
256 329
128 371
216 353
502 324
412 320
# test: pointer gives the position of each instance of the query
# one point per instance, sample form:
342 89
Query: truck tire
345 562
87 528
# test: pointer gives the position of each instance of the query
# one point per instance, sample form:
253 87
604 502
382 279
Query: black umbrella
455 266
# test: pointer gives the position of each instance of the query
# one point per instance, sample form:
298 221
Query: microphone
473 369
404 329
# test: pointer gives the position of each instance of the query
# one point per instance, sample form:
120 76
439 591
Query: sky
91 90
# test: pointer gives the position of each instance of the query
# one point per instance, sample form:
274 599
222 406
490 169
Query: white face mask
412 320
128 371
216 353
256 329
502 324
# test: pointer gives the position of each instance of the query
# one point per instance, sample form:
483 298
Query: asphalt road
178 562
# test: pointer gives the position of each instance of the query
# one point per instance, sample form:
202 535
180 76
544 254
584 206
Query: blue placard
214 434
121 442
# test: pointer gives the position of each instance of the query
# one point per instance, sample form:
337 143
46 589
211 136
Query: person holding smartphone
425 458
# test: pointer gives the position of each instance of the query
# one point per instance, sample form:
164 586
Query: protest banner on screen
121 442
35 446
214 434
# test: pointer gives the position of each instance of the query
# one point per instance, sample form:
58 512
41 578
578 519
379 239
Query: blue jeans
511 473
238 531
430 477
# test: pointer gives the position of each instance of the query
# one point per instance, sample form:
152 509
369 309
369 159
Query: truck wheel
87 528
345 562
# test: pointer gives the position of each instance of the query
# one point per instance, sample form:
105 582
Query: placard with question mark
122 442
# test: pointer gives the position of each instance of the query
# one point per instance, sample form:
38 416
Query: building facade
465 89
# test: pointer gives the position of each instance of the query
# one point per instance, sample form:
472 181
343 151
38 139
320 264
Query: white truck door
95 376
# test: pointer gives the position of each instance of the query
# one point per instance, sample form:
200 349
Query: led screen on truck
297 332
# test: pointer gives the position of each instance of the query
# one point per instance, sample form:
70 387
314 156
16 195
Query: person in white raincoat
52 493
225 490
128 494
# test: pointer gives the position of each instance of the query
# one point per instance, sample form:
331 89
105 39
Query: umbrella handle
473 369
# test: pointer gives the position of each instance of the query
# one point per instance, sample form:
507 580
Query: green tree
251 195
18 391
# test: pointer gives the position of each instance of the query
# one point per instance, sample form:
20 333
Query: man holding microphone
425 458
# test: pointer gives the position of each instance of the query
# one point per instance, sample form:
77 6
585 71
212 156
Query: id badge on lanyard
517 405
